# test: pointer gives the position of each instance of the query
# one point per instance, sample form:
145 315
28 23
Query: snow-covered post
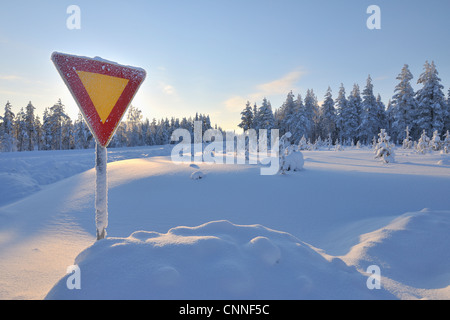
101 191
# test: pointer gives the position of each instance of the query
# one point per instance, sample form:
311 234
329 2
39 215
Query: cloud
235 103
268 89
167 88
10 77
280 86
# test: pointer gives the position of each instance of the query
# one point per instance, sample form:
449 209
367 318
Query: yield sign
102 89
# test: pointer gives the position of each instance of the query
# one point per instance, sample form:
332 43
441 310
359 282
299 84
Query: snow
293 161
216 260
197 175
235 235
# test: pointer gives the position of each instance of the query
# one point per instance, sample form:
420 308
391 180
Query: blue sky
212 56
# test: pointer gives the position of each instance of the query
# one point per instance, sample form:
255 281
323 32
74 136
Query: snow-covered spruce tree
389 117
39 134
30 127
370 113
384 150
435 142
381 114
407 142
328 116
403 105
311 112
291 117
430 101
134 127
329 142
303 143
447 113
20 130
423 145
56 120
302 123
446 142
351 115
256 120
265 116
246 117
340 105
8 140
82 135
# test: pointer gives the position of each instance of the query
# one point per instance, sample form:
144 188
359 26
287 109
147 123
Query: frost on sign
102 89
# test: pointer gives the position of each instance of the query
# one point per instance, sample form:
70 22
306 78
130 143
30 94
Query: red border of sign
67 65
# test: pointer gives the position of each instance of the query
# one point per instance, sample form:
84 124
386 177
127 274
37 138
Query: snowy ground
233 234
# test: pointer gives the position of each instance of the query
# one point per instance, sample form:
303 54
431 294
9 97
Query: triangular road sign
102 89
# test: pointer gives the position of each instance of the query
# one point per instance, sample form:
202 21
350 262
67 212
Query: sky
211 56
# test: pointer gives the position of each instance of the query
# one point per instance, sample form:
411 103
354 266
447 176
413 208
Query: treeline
360 116
26 131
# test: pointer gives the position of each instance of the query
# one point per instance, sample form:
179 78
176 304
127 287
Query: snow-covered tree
287 115
384 150
404 105
56 119
423 145
8 140
39 134
340 105
82 135
265 116
446 142
328 116
430 100
20 131
290 158
67 136
407 142
256 121
246 117
447 113
311 114
370 113
351 115
389 117
30 127
46 131
435 142
303 143
134 127
381 114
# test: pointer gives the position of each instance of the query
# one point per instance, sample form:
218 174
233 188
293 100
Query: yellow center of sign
103 90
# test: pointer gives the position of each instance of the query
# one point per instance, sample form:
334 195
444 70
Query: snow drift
412 251
217 260
344 203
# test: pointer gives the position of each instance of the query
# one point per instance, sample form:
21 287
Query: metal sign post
103 91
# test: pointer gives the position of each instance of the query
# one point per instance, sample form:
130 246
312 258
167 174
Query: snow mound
293 161
444 161
413 249
216 260
197 175
15 186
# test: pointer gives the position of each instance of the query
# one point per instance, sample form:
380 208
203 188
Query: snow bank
216 260
413 250
24 173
